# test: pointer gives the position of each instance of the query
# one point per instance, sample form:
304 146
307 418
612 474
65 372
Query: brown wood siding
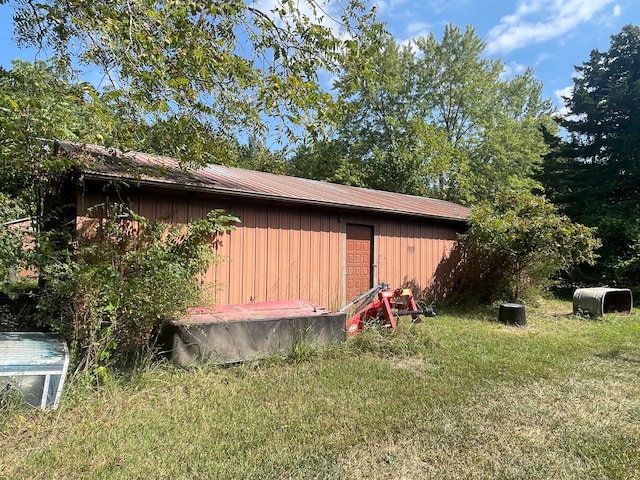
407 252
278 254
288 252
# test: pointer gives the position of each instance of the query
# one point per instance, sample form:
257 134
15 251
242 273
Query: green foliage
123 281
325 161
38 102
434 118
193 141
226 65
604 125
593 175
515 243
10 253
491 125
11 238
379 139
41 102
256 156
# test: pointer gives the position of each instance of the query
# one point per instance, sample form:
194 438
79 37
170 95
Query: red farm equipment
380 306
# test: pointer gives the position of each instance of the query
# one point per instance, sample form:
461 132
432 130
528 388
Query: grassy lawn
457 396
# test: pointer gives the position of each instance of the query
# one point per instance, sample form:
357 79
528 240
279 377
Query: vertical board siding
305 255
333 276
260 262
407 252
164 208
280 254
292 252
272 253
284 255
295 264
317 259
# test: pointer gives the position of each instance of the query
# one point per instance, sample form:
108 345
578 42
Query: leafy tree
492 126
595 174
37 102
379 137
256 156
376 121
327 161
514 246
434 118
224 64
105 292
193 141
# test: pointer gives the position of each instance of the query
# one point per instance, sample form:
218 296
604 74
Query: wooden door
359 260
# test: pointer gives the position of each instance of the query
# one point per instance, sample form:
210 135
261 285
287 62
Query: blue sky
550 36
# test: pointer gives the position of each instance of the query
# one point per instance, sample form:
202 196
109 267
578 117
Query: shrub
11 240
123 281
513 246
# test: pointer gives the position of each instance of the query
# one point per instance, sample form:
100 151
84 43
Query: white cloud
326 15
387 7
617 10
536 21
512 69
418 29
560 95
414 31
541 57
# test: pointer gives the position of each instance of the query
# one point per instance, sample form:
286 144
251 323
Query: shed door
359 264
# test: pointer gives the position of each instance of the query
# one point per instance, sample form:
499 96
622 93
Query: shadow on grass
617 355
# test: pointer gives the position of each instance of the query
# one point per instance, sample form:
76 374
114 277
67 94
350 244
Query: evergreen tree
595 175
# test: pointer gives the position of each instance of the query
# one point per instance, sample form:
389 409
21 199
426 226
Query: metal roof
165 171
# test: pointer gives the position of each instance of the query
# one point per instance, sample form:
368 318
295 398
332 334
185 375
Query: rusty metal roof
164 171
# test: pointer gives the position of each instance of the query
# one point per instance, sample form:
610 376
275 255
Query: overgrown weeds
451 397
119 285
405 340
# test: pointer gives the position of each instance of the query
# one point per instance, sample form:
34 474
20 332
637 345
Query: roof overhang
167 173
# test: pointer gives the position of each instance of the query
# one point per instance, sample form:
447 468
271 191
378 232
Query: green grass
457 396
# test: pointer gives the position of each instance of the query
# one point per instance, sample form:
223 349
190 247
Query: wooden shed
299 238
